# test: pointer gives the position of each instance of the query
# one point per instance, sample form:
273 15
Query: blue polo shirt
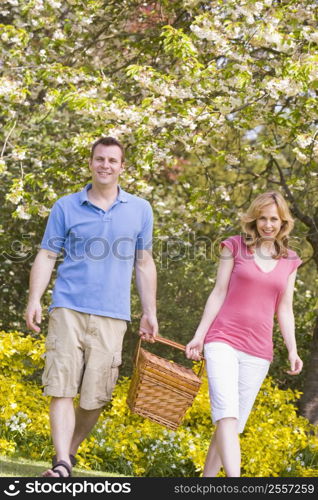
99 250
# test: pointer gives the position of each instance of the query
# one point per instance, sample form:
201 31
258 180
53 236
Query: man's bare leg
62 420
84 423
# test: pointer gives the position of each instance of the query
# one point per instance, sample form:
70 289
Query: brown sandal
72 460
66 466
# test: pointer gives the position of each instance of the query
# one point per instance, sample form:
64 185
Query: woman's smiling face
268 223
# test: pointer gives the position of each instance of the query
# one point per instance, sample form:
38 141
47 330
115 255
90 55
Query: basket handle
172 343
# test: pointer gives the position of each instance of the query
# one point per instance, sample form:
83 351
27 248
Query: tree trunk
309 400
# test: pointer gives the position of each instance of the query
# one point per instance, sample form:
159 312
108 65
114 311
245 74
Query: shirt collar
122 195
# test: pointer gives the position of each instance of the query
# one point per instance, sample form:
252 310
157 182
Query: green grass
10 467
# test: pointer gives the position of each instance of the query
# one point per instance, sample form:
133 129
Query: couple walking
104 233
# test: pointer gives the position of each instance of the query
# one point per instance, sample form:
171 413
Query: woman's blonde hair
248 221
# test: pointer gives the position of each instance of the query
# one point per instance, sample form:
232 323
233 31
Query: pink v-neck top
245 320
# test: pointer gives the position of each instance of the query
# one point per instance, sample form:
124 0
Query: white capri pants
235 378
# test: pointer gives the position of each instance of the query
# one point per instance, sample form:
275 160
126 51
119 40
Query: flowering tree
216 101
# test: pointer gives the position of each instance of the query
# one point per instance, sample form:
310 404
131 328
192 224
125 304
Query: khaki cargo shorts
83 353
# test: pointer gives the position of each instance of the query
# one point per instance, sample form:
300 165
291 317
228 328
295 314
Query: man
103 232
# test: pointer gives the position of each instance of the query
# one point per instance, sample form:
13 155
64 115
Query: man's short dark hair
108 141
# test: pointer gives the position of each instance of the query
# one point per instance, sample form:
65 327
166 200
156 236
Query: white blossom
301 157
232 160
38 5
91 92
43 211
308 34
304 140
21 213
55 4
8 86
119 131
58 35
313 74
314 36
286 86
43 54
19 154
315 149
87 20
15 423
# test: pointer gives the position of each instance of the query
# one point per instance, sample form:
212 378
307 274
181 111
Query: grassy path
10 467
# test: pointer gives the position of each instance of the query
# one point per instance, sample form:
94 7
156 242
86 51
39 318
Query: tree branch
7 138
308 221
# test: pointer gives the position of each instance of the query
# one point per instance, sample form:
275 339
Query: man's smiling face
106 165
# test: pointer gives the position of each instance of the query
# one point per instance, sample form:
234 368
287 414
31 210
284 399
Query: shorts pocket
50 345
114 372
112 379
117 361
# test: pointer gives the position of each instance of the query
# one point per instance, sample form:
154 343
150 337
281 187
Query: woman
255 280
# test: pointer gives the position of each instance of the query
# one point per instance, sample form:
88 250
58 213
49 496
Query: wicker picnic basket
162 390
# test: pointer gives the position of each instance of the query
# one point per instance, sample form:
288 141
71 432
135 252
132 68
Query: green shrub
276 441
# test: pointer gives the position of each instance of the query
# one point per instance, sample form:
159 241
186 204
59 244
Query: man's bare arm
40 276
146 280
